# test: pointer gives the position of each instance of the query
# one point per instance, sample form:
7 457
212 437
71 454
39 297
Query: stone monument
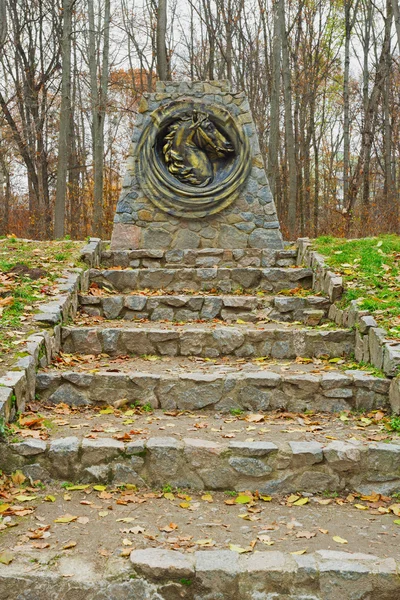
195 175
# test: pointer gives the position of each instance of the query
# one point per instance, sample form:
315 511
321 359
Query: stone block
30 447
100 450
125 236
394 395
306 453
112 306
157 563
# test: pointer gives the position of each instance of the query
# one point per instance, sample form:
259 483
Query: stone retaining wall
195 279
254 391
209 342
208 257
159 574
310 310
207 465
373 344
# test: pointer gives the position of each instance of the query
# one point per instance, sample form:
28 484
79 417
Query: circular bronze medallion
193 159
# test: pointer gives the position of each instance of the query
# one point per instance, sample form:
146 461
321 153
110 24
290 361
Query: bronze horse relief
192 145
193 158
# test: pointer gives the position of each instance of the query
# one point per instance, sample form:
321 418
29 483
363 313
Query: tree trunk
162 59
289 134
396 13
99 99
3 23
65 123
273 145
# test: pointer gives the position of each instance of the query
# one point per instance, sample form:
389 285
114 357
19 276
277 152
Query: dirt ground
118 521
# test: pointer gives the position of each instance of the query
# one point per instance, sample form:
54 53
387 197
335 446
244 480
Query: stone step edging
310 309
277 342
257 390
207 465
223 280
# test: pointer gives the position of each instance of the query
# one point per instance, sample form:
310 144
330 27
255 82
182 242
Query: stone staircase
217 335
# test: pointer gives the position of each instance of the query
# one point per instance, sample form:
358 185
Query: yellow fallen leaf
74 488
65 519
69 545
205 543
4 507
207 498
243 499
292 498
103 513
266 498
301 502
184 504
126 542
238 549
395 508
361 506
299 551
339 540
99 488
6 557
25 498
169 496
49 498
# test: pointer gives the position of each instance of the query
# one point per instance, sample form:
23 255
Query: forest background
322 77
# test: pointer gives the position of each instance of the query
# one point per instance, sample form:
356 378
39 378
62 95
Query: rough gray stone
157 563
112 306
306 453
100 450
67 394
251 467
211 308
30 447
135 302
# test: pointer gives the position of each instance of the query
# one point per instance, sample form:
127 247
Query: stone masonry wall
249 222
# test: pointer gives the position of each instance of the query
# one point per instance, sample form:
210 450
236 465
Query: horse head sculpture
192 145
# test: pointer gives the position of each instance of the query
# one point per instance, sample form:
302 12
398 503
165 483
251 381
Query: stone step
184 307
141 545
206 257
208 340
175 386
220 279
269 463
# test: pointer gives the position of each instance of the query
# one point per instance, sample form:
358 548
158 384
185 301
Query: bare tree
98 93
3 23
65 121
162 58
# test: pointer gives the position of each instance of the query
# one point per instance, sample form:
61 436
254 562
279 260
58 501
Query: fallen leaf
339 540
301 502
205 543
69 545
238 549
243 499
6 557
65 519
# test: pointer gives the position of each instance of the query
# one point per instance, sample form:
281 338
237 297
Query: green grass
370 268
51 257
394 424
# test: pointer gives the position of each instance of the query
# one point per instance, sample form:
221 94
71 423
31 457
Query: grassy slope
370 268
19 293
